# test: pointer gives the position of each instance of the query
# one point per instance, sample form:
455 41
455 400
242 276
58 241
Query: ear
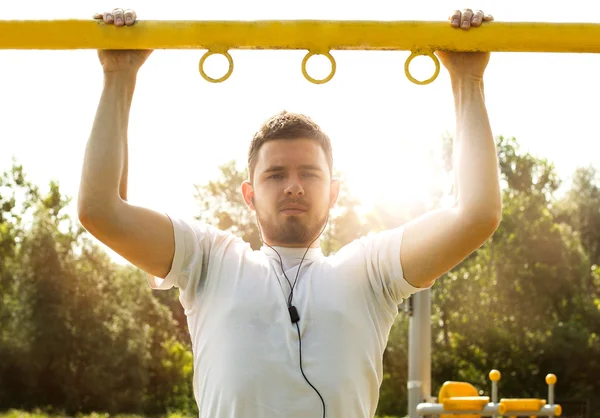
248 194
334 192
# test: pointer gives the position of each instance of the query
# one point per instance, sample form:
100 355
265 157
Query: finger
129 17
477 18
465 21
97 16
455 19
488 18
108 18
119 21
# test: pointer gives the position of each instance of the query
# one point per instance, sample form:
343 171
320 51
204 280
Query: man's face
292 191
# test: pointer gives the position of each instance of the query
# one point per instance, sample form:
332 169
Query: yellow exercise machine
457 398
461 399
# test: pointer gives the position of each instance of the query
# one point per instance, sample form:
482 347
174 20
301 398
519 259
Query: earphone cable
292 309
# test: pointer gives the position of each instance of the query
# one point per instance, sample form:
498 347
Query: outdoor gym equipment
457 398
315 36
461 398
320 37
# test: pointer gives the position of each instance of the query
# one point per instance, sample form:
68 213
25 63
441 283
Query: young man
286 331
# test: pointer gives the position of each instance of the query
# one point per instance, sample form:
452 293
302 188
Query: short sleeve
194 243
382 258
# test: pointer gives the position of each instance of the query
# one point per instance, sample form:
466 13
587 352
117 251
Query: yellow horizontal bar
313 35
523 405
465 403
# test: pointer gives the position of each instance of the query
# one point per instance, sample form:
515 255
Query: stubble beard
292 230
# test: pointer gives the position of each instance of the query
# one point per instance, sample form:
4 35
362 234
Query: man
286 331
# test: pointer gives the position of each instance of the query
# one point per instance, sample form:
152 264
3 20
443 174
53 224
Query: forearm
104 173
475 155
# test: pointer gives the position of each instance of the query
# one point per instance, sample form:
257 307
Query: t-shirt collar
292 253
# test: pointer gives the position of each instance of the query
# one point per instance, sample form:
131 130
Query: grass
14 413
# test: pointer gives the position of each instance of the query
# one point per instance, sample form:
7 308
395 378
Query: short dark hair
288 125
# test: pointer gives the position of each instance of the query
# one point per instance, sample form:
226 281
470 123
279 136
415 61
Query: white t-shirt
245 347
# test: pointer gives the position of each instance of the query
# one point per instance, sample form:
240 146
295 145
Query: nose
294 191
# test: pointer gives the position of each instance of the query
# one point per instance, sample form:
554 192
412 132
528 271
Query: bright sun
411 180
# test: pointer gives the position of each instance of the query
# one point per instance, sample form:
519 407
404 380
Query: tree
518 303
222 205
580 208
78 333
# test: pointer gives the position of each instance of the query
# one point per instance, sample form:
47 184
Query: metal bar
437 409
425 314
419 351
314 35
489 410
494 394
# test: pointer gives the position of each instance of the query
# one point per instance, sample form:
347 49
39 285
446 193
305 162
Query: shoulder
370 240
194 235
349 254
373 246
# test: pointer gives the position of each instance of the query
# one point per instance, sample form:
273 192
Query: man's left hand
466 64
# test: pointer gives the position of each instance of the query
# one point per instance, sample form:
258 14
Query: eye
275 176
310 175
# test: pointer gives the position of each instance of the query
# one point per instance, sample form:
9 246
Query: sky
382 127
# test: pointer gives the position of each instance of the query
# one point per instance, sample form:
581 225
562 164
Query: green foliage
525 303
78 333
520 302
221 204
177 363
581 209
37 413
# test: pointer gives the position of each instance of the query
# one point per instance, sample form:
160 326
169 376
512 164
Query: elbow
95 209
87 218
94 221
491 219
484 225
483 218
481 222
93 214
83 212
491 226
86 211
494 215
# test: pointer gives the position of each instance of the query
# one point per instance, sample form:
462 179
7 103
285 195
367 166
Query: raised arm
436 242
142 236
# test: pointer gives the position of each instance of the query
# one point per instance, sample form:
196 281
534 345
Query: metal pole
313 35
419 352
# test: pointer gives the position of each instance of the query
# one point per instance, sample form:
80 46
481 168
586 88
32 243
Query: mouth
293 210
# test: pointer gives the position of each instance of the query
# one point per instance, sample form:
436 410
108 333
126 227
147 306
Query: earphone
294 316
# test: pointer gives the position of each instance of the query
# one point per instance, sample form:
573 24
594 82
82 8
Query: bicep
142 236
437 241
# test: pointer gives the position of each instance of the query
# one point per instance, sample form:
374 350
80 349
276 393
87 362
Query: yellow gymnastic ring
415 54
313 80
215 80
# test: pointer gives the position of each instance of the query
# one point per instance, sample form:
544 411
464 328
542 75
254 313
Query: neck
311 244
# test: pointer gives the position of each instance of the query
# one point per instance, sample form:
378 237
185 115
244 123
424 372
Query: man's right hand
126 61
